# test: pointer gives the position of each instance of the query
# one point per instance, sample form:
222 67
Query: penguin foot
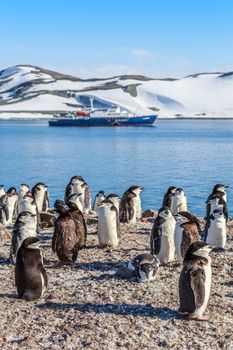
198 318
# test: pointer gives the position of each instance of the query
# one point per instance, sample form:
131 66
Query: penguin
221 190
216 201
108 227
76 198
65 241
81 227
178 201
162 242
30 275
168 196
215 229
8 206
78 185
186 233
98 198
195 281
2 191
115 199
130 206
145 267
41 197
24 227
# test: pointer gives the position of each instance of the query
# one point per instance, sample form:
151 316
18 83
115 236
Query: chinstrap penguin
30 274
41 197
216 201
162 242
145 267
100 196
130 206
108 227
178 201
65 241
8 206
81 228
215 229
195 281
168 196
186 233
24 227
78 185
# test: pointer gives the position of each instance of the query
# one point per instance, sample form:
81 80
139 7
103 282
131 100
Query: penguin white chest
107 227
178 203
216 235
167 247
208 276
39 198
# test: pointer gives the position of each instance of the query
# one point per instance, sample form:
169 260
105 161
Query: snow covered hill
31 92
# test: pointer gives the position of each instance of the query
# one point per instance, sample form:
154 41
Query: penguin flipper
197 279
155 241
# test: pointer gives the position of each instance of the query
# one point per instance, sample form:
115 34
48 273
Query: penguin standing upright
215 229
168 196
195 281
130 206
145 267
65 241
30 274
178 201
8 206
41 197
162 236
78 185
108 228
24 227
81 228
100 196
186 233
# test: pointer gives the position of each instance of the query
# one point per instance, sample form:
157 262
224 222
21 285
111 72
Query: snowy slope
35 91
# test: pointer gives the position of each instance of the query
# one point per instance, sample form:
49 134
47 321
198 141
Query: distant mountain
31 92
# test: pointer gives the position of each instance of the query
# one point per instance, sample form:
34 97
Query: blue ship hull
105 121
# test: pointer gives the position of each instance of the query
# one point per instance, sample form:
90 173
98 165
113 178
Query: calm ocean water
190 154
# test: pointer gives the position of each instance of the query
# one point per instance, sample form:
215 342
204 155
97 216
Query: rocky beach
92 305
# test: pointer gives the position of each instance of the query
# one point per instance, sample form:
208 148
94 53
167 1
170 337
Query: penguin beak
226 186
142 188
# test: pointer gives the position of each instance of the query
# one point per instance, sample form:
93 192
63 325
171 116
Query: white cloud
141 53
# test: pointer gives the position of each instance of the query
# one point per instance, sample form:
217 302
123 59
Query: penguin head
199 248
24 188
60 207
164 213
220 188
40 186
136 190
28 198
31 243
11 191
27 217
77 180
106 203
184 216
146 267
171 190
179 192
114 198
217 214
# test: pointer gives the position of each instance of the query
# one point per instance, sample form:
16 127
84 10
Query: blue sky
108 37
